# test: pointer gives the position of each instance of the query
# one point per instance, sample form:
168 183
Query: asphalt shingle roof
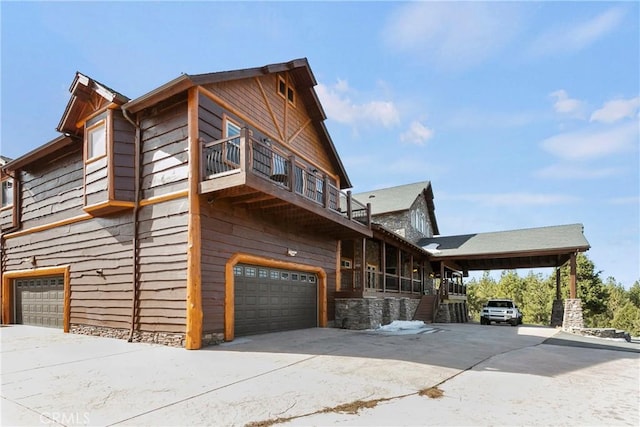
392 199
552 238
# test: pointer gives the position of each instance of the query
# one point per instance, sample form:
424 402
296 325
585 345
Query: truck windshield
500 304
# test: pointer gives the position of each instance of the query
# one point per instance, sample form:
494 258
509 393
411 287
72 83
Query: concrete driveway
446 374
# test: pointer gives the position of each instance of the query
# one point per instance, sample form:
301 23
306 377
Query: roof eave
173 87
40 152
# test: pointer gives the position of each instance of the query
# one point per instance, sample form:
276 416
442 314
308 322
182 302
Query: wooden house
216 206
210 207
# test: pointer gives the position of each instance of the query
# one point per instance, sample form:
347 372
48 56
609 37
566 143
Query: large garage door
270 299
39 301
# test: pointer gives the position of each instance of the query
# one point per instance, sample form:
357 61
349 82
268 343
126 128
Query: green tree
478 293
627 318
634 294
537 299
589 287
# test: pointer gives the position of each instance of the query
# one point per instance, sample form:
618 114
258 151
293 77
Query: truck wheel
514 322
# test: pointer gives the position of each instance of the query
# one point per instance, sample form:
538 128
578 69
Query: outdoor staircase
425 310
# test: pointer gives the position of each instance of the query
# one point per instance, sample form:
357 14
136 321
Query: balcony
263 176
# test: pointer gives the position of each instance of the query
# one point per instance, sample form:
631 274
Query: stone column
443 316
572 314
557 313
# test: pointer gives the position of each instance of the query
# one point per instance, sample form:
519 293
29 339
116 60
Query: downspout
136 205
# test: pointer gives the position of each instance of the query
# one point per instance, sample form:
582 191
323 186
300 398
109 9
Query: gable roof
304 80
81 90
398 199
525 248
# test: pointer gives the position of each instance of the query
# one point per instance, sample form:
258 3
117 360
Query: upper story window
419 221
286 90
97 140
7 192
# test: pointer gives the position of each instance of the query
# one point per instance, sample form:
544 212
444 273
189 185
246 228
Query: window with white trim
7 192
232 147
97 140
419 221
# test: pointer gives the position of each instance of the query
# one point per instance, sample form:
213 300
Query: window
237 270
419 221
7 192
232 147
97 141
372 276
345 263
286 90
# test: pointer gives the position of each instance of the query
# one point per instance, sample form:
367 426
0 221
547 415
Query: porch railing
269 161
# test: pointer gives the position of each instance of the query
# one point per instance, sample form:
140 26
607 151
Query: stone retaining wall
371 313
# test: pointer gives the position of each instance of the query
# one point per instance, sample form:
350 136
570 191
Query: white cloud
516 199
571 38
568 171
615 110
417 134
593 143
455 34
565 105
339 107
631 200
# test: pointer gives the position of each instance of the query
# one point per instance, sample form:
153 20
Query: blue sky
522 114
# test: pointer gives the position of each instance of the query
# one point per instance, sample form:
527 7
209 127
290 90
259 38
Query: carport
540 247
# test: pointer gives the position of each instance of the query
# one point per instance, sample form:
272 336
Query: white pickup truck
501 310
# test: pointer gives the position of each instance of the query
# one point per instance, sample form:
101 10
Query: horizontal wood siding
51 189
164 148
227 230
87 246
163 265
96 188
106 244
209 119
123 158
6 218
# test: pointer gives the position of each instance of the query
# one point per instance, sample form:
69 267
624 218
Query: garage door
270 300
39 301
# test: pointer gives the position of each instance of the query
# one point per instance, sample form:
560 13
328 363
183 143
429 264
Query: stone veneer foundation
371 313
164 338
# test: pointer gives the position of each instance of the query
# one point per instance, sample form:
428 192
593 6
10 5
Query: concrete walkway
495 375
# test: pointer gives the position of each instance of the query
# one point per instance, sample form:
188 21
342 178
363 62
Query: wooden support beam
194 316
363 263
558 293
572 278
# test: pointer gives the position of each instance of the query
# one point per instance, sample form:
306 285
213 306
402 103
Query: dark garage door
39 301
269 300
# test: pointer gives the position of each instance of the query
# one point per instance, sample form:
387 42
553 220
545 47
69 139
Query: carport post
572 278
558 296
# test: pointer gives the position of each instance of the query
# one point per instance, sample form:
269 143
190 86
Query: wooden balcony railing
268 160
